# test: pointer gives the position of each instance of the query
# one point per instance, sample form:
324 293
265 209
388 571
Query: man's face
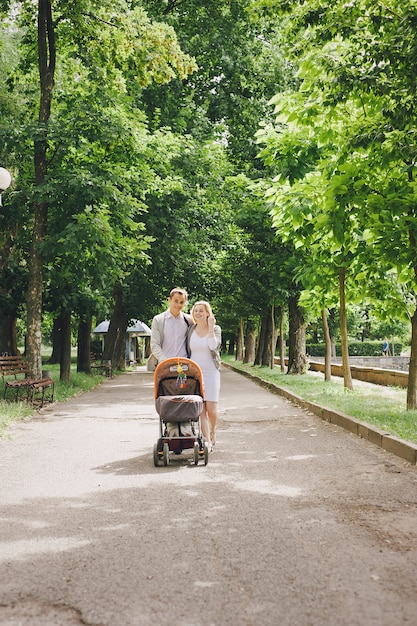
176 303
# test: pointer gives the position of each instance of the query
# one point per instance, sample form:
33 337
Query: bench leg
42 388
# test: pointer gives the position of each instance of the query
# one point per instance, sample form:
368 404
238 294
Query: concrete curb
383 439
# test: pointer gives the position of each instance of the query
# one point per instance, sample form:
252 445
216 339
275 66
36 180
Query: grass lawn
11 411
383 407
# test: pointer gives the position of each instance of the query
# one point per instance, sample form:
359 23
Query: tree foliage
135 159
348 179
92 62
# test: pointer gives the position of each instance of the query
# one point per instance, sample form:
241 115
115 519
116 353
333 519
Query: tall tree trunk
34 295
147 347
46 63
273 337
263 350
111 335
56 340
347 376
119 354
266 353
250 341
412 368
328 340
240 342
281 339
84 344
115 342
297 358
65 362
8 335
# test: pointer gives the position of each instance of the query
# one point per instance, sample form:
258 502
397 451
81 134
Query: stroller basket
179 409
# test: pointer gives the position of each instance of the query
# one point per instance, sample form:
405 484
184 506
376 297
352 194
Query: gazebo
135 350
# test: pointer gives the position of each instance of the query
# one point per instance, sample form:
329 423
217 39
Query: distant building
136 338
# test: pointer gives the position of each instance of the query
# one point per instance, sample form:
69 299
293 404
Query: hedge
356 348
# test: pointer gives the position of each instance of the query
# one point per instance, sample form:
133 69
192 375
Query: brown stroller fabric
179 409
169 387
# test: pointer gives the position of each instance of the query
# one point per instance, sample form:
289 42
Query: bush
356 348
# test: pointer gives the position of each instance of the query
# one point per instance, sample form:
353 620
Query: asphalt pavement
294 521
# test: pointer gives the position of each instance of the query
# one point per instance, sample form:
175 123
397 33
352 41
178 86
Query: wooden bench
103 368
14 366
39 387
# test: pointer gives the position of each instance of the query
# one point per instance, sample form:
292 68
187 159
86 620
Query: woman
203 342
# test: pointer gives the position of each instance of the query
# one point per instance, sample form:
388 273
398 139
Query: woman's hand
211 320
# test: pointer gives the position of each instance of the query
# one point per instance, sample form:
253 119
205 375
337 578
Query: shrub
356 348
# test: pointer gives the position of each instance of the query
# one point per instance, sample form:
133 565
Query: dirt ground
293 522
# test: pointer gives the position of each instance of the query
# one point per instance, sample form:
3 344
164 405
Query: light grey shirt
169 341
175 333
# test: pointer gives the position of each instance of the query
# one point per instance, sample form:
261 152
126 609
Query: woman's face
200 312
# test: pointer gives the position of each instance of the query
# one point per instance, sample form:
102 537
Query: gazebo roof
138 328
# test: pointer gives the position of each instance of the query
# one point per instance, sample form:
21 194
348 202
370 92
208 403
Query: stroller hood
174 369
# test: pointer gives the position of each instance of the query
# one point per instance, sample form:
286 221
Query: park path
294 521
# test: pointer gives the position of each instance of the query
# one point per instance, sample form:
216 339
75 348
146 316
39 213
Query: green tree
188 217
112 46
356 80
240 64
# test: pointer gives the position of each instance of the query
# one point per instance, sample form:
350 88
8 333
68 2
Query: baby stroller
179 397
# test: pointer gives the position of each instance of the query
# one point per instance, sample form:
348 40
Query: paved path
294 521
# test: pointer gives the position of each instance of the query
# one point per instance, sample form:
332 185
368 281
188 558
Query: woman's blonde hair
204 303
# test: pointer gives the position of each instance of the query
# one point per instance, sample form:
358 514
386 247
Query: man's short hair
180 291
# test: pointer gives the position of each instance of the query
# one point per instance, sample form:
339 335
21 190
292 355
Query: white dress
200 353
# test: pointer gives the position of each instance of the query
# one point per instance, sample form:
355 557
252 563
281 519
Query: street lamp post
5 180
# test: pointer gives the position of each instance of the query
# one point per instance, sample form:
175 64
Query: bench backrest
12 366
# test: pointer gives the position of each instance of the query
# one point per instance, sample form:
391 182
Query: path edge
385 440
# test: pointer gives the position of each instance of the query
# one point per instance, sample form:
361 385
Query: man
169 339
169 330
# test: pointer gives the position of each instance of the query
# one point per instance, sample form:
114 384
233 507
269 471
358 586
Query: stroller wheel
155 455
166 454
196 452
